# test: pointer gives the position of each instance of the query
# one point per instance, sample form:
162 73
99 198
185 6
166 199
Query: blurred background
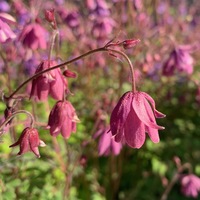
166 63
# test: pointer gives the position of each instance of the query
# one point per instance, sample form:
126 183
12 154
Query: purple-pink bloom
51 82
103 27
180 60
107 144
33 36
134 115
62 119
29 141
190 185
5 30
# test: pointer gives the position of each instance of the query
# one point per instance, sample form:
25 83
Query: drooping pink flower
134 115
62 119
107 144
180 60
190 185
5 31
29 141
51 83
33 36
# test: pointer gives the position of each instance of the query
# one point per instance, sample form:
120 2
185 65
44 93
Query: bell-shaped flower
51 82
62 119
179 60
107 144
33 36
134 115
29 141
190 185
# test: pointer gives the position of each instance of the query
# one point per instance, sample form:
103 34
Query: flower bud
128 44
69 74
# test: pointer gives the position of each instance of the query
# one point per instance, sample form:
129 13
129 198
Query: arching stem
130 65
13 115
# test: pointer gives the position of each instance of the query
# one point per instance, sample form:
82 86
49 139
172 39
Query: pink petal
120 113
66 128
36 151
153 134
15 144
151 100
58 86
104 143
119 137
142 113
24 145
134 131
115 147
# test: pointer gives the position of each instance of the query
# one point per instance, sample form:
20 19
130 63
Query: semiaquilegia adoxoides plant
133 116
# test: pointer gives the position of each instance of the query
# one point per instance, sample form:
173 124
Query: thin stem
13 115
169 187
174 179
54 34
55 67
130 65
105 48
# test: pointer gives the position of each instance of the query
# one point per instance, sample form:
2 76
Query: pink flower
51 83
29 141
190 185
5 30
180 60
132 117
62 119
107 144
33 36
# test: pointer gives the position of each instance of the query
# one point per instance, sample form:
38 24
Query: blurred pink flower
5 30
33 36
51 83
99 8
29 141
132 117
102 27
180 60
62 119
190 185
107 144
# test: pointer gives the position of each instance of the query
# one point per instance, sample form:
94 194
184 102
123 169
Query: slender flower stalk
53 38
130 65
13 115
101 49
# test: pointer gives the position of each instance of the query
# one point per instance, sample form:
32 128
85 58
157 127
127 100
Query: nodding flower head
179 60
51 82
132 117
62 119
190 185
29 141
33 36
